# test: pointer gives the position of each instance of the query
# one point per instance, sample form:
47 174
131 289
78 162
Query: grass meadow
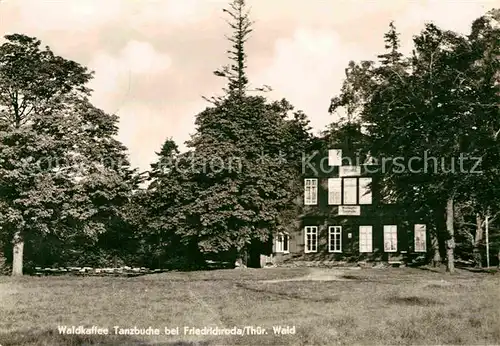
396 306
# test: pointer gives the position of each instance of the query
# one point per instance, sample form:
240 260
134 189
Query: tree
164 201
412 113
441 101
431 109
52 142
237 178
235 73
482 76
34 83
105 182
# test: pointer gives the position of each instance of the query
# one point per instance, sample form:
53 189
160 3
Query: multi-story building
346 218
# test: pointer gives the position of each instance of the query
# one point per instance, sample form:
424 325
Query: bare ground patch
319 275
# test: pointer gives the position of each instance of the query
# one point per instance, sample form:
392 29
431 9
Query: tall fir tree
392 45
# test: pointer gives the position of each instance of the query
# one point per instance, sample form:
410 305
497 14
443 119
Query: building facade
345 217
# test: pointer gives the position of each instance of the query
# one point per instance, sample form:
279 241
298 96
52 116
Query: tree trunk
477 241
241 258
17 258
450 242
487 240
3 261
195 257
436 259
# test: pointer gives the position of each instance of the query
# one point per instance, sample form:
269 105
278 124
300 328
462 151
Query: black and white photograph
249 172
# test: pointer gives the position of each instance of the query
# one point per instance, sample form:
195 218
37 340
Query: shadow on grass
463 268
440 269
358 278
288 296
413 301
53 338
490 270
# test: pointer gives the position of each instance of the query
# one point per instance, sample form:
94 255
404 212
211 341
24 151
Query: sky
153 59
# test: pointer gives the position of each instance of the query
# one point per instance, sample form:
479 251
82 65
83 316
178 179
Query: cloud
144 128
150 15
141 57
448 15
308 69
78 15
72 15
115 73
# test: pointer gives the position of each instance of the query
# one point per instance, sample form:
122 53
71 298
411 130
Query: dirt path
316 274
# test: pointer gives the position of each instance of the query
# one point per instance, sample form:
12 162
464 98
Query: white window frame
351 188
365 193
335 191
335 157
334 231
310 191
313 232
390 238
421 231
281 239
365 239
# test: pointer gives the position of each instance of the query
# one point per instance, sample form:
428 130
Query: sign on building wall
349 210
349 171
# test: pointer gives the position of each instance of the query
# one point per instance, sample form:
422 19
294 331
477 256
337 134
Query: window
335 239
281 244
390 238
311 239
420 238
350 191
365 239
335 191
365 193
311 191
335 157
